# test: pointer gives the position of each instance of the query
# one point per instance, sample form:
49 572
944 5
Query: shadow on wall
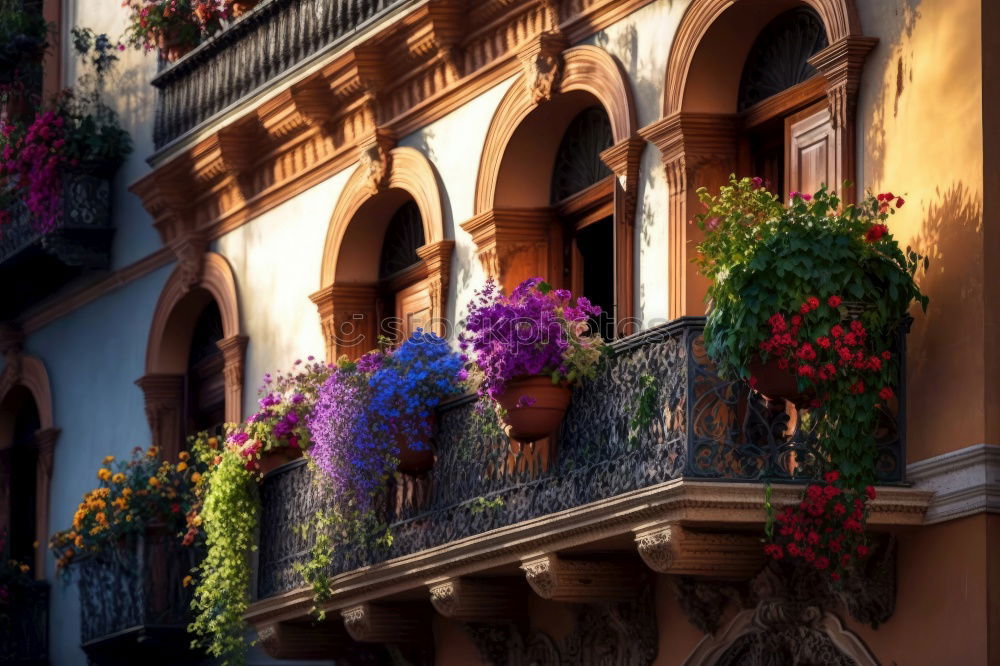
891 63
652 284
951 238
646 87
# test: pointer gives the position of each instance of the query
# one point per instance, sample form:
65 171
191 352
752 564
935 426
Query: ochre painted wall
921 136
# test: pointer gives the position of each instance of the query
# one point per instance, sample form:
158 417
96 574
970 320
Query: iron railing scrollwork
701 427
260 47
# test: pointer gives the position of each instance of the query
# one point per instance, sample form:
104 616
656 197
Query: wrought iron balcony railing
24 624
133 605
37 263
702 428
257 49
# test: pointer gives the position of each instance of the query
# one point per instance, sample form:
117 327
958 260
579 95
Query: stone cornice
736 506
964 482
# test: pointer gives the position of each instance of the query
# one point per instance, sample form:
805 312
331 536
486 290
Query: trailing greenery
229 519
649 392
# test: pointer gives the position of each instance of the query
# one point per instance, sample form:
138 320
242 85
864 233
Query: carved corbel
168 198
542 65
239 147
347 314
672 549
233 351
376 159
840 64
164 401
582 581
398 624
447 19
189 248
437 258
285 640
472 600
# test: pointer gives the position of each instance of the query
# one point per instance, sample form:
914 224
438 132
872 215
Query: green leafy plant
649 391
229 518
819 290
23 42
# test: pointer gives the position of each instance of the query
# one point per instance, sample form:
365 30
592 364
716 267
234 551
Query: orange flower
181 466
154 482
104 474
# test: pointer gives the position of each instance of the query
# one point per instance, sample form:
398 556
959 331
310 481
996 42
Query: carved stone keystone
472 600
672 549
582 581
376 623
284 640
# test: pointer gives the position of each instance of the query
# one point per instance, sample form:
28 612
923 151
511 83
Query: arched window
583 195
204 381
787 130
405 302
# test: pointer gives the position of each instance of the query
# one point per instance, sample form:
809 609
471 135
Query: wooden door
810 156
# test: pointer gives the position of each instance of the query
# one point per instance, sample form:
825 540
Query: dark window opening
23 477
205 381
578 162
594 243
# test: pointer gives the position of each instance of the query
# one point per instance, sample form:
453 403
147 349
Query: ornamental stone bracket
670 548
512 243
286 640
582 581
402 624
164 397
840 64
476 600
542 65
375 157
347 315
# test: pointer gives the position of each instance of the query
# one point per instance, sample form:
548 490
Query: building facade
323 169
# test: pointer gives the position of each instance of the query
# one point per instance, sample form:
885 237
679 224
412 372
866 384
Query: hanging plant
528 349
277 432
172 26
228 520
806 302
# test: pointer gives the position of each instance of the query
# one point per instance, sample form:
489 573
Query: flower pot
534 407
275 458
238 8
412 461
777 384
171 45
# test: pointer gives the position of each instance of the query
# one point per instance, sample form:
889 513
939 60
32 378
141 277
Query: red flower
886 355
899 202
806 370
796 320
870 492
753 382
757 182
875 232
834 576
777 322
839 510
813 302
862 550
821 563
783 363
831 476
886 393
834 301
858 388
837 331
806 352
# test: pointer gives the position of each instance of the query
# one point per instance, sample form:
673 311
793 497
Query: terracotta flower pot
777 384
535 407
172 47
412 461
275 458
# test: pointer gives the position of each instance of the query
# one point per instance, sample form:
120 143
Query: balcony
270 42
700 460
38 263
133 607
24 625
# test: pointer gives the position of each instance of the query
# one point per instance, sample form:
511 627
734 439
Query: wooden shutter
413 309
811 154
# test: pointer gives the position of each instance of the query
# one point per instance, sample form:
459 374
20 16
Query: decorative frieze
582 581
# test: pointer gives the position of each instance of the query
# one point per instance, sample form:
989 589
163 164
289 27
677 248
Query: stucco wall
920 136
92 357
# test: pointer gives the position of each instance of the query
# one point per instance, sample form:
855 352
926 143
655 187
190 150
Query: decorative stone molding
841 63
348 316
397 624
512 243
707 504
375 160
437 260
964 482
189 248
542 66
672 549
285 640
581 581
164 403
233 351
476 600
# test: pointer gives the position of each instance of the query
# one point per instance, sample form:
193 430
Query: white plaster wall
134 99
277 260
454 145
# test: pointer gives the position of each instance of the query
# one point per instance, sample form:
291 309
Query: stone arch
586 69
183 297
25 376
383 181
698 134
822 639
513 223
